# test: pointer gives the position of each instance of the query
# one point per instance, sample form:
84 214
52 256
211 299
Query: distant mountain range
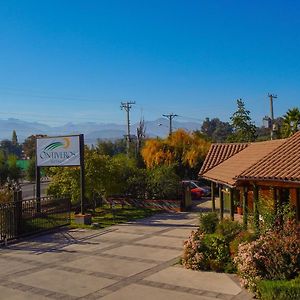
91 130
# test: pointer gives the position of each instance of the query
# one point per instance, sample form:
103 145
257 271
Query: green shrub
217 251
206 252
279 290
242 237
162 183
208 222
229 229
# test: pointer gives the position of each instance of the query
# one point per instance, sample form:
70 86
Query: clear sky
75 61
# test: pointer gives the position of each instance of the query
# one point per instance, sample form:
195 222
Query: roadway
28 189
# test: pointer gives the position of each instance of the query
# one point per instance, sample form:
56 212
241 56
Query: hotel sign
58 151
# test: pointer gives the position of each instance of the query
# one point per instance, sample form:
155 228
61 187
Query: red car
197 191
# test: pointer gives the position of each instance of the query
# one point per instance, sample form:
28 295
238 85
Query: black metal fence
24 217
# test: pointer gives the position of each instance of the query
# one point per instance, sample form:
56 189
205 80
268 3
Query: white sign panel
58 151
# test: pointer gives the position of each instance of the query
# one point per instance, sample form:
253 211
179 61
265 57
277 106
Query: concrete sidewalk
130 261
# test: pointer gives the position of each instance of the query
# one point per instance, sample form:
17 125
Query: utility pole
170 117
127 106
272 96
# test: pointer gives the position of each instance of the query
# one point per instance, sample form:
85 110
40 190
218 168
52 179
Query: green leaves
243 128
291 122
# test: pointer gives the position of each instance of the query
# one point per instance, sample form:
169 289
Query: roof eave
219 181
267 179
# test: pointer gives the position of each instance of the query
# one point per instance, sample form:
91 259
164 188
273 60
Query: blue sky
75 61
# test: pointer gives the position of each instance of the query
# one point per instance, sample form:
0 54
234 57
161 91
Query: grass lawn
105 216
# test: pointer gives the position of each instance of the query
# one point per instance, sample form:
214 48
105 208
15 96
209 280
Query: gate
24 217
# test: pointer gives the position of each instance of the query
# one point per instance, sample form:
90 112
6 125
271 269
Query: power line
170 117
127 106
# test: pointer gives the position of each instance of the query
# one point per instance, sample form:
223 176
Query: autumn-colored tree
185 150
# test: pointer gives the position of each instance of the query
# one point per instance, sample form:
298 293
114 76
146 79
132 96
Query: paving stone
208 281
42 257
183 233
144 252
127 261
13 294
10 266
63 282
116 236
162 241
141 229
137 291
111 266
86 246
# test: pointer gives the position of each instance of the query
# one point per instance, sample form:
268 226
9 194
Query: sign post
60 151
82 181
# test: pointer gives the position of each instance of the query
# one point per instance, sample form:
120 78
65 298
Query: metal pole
82 178
37 183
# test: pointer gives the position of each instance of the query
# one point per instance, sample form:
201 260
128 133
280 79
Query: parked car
198 189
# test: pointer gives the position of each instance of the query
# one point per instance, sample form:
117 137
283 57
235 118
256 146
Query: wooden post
298 205
221 196
213 196
255 208
245 207
231 197
274 195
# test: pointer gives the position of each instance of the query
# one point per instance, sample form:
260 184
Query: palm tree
291 122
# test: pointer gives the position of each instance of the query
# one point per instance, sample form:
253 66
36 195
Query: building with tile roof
269 169
227 170
219 153
282 165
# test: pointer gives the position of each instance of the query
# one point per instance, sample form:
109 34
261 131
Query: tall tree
29 145
14 138
291 122
243 128
216 130
9 147
3 167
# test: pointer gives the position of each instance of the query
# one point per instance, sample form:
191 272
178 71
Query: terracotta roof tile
227 171
282 164
219 153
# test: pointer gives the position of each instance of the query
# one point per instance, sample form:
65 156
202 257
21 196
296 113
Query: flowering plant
274 256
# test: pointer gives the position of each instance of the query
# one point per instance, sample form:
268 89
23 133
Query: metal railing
24 217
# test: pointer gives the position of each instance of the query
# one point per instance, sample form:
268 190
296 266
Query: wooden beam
245 208
298 205
255 208
231 197
213 196
221 197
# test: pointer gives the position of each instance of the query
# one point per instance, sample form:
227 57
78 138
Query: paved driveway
129 261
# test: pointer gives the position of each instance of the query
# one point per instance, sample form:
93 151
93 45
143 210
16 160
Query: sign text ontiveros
58 151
